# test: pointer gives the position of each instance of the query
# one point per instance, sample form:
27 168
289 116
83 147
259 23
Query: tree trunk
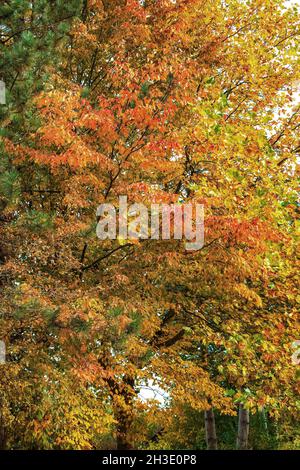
210 430
2 428
265 421
122 440
3 436
243 428
122 393
124 414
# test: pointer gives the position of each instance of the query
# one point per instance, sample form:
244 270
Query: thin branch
107 255
235 109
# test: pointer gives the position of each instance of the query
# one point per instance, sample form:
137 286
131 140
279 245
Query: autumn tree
173 102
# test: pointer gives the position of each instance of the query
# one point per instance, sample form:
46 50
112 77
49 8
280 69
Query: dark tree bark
243 428
210 430
3 436
123 414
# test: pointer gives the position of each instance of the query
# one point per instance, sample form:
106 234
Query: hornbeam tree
166 102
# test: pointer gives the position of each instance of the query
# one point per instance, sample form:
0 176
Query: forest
139 343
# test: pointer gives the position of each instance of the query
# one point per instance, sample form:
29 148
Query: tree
210 429
243 428
146 100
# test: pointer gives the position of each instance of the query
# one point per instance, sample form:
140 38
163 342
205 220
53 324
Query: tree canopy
186 101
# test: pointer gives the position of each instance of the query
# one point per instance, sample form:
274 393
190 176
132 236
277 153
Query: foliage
190 102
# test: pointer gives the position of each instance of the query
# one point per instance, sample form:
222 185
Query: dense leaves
186 101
